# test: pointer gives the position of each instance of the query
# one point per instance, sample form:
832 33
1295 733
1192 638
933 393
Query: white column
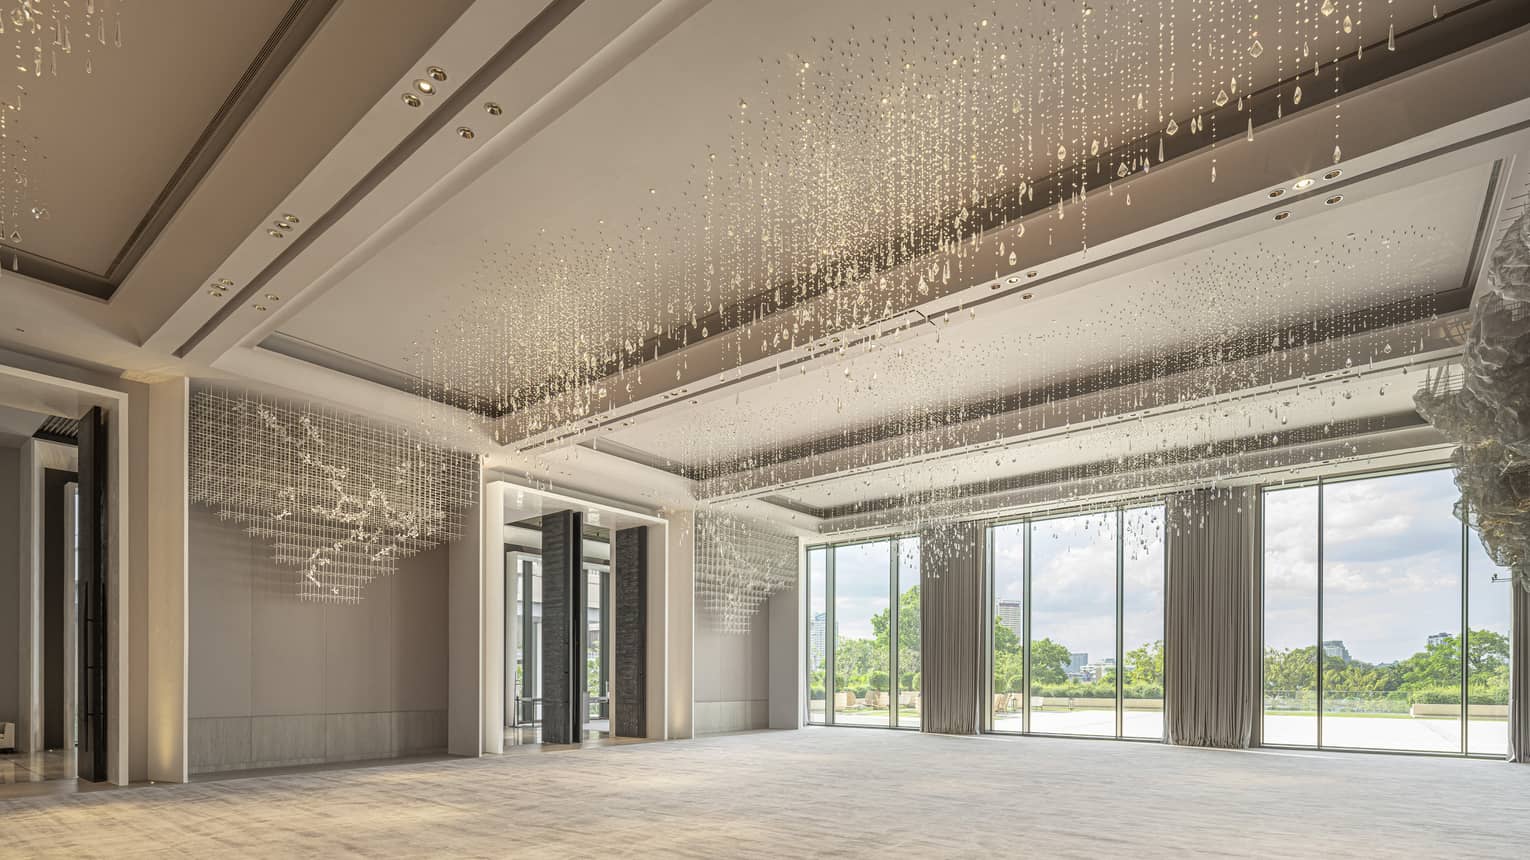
657 670
167 581
492 531
29 600
464 644
680 582
787 660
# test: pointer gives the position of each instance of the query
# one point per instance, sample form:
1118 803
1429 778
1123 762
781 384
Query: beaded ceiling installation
338 499
43 34
739 566
878 168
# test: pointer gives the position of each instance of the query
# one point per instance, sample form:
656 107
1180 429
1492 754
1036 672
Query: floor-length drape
1519 673
950 621
1210 671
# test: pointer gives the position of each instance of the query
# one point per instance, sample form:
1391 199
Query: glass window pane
1073 625
1290 616
1392 613
1487 652
909 685
818 622
1142 569
862 643
1008 544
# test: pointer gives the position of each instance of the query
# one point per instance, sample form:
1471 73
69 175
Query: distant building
1335 648
1012 616
1076 663
1098 671
1438 639
816 632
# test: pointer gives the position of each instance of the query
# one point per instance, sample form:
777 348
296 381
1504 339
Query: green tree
1049 662
1144 665
908 630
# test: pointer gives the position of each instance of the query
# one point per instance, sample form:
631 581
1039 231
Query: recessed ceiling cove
153 91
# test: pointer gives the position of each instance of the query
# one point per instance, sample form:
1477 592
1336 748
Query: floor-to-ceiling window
1381 617
863 648
1076 607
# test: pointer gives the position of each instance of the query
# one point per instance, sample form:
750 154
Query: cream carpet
825 792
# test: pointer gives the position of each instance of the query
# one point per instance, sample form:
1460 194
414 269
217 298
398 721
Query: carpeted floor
826 792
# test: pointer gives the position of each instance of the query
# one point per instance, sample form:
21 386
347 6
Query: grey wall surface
10 582
732 672
630 640
278 681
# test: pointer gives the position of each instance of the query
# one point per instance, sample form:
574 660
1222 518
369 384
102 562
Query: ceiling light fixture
215 294
425 87
1025 296
260 307
1276 192
1333 174
1334 199
1281 216
493 108
282 225
1014 279
225 282
994 286
436 73
290 219
411 99
273 297
1304 183
1031 274
465 133
276 234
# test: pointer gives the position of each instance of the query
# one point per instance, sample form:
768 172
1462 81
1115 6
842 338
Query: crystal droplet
1062 153
924 288
1171 129
1255 49
1250 128
88 67
15 237
1213 173
1121 171
117 36
1349 26
41 213
1391 40
1328 8
1012 258
1296 97
1336 154
1160 150
1221 98
1094 147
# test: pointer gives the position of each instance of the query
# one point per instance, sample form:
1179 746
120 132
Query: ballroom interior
729 428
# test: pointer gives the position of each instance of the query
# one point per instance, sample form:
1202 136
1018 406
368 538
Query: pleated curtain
1519 673
1211 679
950 623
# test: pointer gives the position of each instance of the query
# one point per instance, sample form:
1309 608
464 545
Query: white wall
10 584
276 681
732 682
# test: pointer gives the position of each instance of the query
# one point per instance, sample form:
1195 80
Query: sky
1392 566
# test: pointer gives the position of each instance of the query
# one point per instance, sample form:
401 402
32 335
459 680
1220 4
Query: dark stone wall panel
631 639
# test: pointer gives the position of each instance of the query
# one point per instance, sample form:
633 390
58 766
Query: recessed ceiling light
273 297
215 294
276 234
1025 296
465 133
225 282
1276 192
281 225
1333 174
995 286
411 99
290 218
1281 216
1334 199
1031 274
260 307
436 73
1304 183
1014 279
425 87
493 108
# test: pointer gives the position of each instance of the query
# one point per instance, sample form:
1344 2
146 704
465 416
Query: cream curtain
950 620
1211 677
1519 674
